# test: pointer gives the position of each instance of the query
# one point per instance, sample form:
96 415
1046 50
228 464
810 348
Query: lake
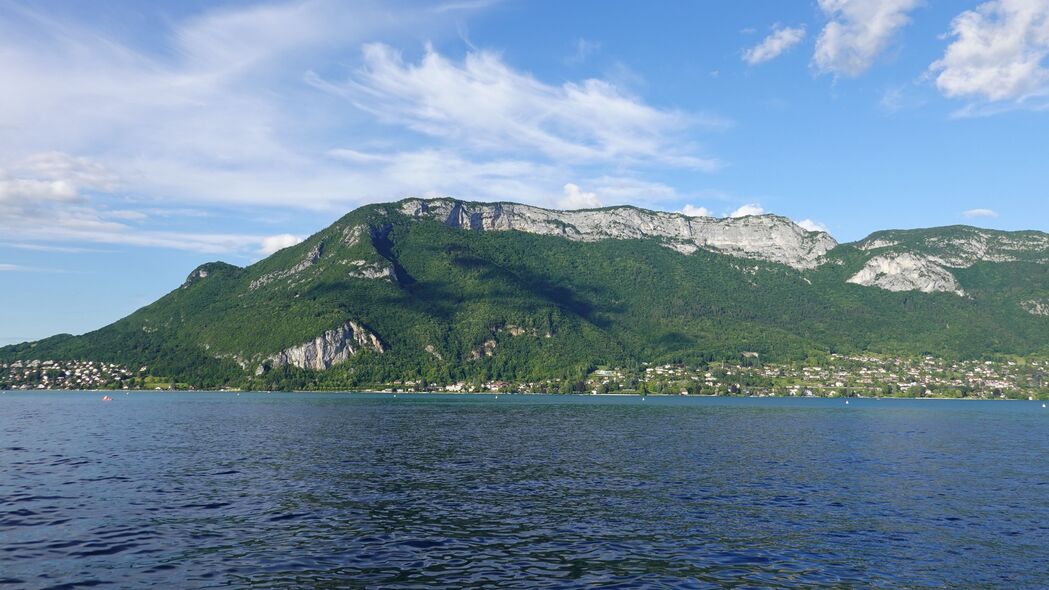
209 490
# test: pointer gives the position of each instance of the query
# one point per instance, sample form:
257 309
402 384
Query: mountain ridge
443 289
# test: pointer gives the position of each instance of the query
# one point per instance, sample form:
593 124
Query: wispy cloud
49 248
858 32
102 139
980 213
778 42
221 116
485 104
435 172
584 49
45 198
6 267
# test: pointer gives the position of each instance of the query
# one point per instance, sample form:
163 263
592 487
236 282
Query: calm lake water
203 490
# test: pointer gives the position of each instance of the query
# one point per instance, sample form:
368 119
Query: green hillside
449 304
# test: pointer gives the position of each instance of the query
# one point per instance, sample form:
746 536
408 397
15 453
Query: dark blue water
202 490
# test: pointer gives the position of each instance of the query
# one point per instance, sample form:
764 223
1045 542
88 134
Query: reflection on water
323 490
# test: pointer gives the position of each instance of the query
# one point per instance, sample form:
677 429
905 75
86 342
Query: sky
141 139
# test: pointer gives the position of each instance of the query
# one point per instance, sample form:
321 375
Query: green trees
508 306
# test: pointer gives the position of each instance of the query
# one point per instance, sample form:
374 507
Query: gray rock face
362 269
875 244
1036 307
328 349
924 264
765 237
307 261
351 236
967 246
199 274
903 271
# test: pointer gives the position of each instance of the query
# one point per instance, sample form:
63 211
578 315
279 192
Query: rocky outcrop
430 348
209 269
517 330
906 272
328 349
1036 307
351 235
307 261
980 246
920 260
362 269
487 349
764 237
875 244
197 275
962 247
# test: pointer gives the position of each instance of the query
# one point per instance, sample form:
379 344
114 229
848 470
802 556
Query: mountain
443 290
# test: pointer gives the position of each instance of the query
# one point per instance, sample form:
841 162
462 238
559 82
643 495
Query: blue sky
138 140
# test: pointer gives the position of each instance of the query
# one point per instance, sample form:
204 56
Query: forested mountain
443 290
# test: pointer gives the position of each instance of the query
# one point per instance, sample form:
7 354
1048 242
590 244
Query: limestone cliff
906 272
330 348
764 237
962 246
920 260
307 261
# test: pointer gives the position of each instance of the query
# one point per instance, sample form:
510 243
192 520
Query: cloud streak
980 213
777 43
485 104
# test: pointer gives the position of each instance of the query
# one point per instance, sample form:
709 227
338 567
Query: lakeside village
836 376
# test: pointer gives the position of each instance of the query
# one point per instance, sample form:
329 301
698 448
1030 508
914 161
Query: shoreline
516 393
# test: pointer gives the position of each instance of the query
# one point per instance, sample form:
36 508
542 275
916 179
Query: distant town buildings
835 375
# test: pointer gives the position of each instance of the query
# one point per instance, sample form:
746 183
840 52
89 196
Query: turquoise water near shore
280 490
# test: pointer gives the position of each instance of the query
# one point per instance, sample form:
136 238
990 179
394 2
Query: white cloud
29 189
485 104
693 211
584 48
621 190
446 172
810 225
100 138
774 45
892 100
218 114
8 267
271 244
858 32
84 172
748 209
44 197
577 198
997 53
47 248
975 213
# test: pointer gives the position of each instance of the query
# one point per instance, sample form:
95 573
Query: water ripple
317 491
